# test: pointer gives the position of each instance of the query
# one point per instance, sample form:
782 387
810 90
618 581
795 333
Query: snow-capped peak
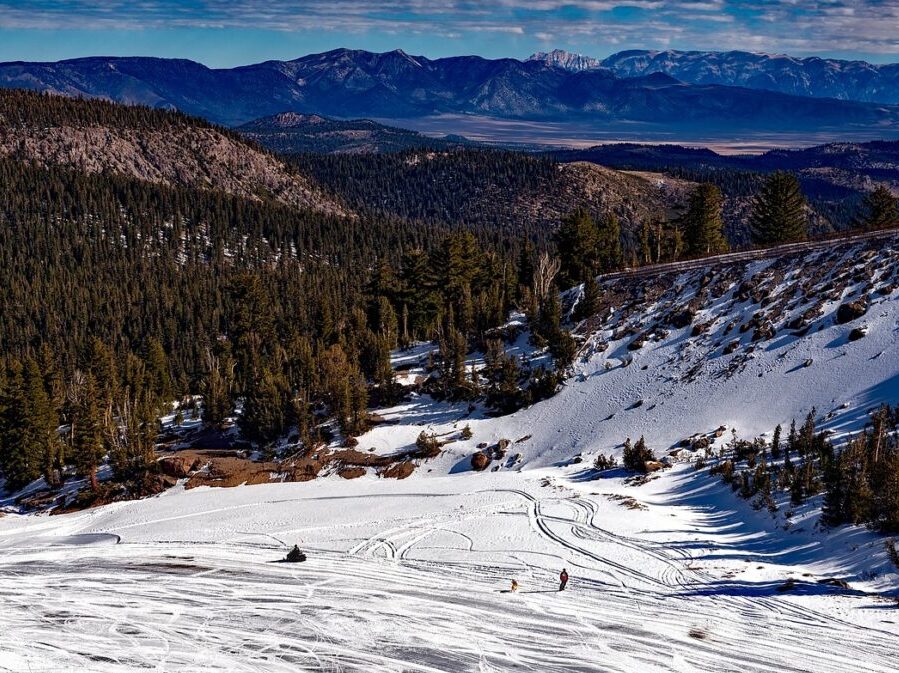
566 60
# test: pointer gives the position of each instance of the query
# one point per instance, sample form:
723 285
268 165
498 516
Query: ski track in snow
396 581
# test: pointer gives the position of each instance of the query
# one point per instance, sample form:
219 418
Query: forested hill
514 191
292 132
154 145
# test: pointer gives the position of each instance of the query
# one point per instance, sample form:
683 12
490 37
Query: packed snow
415 576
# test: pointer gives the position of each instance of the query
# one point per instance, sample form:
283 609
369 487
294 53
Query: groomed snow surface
414 576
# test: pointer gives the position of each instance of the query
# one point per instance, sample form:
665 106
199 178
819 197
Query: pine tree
588 304
53 380
263 418
703 224
217 387
29 440
548 326
797 492
158 372
130 433
779 211
775 443
304 420
357 419
18 464
102 365
635 457
40 441
87 427
646 242
886 504
577 241
879 210
527 258
608 244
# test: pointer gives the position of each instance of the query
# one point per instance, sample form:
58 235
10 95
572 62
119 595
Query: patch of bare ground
235 470
399 470
626 501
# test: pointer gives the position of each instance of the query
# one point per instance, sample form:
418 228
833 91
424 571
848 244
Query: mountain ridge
393 85
809 76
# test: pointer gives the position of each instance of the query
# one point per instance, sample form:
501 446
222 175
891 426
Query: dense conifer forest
120 297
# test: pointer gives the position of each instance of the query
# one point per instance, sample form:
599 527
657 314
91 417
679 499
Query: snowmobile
295 555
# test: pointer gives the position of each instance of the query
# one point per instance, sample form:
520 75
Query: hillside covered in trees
167 148
513 191
122 295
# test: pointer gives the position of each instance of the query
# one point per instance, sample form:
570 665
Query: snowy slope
678 384
675 574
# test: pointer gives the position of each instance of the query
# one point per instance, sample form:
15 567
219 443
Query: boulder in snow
858 333
178 466
851 311
480 461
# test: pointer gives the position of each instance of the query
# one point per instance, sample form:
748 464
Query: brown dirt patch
399 470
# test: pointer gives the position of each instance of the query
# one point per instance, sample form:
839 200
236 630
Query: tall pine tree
879 210
779 211
702 222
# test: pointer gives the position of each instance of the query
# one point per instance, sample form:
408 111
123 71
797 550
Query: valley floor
414 576
587 133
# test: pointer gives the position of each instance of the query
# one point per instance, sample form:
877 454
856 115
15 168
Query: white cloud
799 26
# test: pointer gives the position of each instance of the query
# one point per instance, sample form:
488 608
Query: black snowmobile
295 555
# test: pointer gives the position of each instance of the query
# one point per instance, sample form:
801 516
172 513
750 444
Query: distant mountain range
815 77
393 85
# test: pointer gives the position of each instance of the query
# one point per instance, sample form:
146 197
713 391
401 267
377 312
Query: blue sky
223 33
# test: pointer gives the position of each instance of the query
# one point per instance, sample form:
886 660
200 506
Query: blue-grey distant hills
394 85
817 77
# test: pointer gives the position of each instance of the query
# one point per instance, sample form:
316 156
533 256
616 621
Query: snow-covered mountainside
745 345
669 572
559 58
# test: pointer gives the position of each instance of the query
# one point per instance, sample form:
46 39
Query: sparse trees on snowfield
860 481
635 456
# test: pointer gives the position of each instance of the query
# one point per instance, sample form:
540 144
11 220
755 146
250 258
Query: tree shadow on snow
739 533
769 588
592 474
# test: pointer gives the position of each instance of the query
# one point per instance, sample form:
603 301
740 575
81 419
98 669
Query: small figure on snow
563 579
295 555
514 585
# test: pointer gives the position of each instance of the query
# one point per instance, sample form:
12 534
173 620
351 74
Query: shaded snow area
415 575
668 573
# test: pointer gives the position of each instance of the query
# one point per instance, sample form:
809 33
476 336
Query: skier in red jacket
563 579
